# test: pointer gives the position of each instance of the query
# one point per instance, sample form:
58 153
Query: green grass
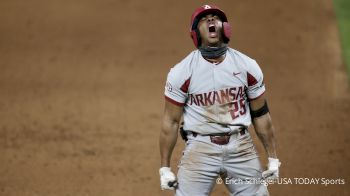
342 9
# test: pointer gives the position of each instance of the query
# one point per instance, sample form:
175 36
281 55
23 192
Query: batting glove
272 172
167 179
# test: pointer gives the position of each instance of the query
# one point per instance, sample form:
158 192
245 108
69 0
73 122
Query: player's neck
216 60
213 54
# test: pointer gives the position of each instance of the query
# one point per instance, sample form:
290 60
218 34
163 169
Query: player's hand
272 172
167 179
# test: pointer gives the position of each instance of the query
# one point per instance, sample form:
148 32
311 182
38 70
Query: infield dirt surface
81 92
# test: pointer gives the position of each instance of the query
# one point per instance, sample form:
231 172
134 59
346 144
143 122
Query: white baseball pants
237 163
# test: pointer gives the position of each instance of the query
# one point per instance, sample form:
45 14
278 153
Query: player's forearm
167 141
268 140
266 133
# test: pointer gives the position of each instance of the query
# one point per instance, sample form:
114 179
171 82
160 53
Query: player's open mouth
212 31
212 28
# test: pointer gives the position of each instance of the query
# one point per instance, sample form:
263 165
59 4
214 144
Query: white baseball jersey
215 95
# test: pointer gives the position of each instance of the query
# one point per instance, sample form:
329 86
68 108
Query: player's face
210 29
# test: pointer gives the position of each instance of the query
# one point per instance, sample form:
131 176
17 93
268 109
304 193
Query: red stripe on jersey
251 80
174 102
184 87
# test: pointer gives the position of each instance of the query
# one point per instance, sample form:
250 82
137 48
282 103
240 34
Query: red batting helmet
204 10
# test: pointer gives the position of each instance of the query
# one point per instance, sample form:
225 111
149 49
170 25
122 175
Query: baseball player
219 92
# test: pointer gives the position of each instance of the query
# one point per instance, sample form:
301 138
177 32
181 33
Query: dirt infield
81 92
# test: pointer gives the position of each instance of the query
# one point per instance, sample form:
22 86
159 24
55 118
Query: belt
220 138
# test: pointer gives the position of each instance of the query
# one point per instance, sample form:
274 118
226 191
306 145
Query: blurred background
82 82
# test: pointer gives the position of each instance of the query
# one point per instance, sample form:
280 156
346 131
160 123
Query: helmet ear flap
227 30
195 37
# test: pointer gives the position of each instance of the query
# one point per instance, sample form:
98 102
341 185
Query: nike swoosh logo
236 73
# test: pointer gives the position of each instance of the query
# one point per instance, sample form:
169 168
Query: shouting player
219 92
